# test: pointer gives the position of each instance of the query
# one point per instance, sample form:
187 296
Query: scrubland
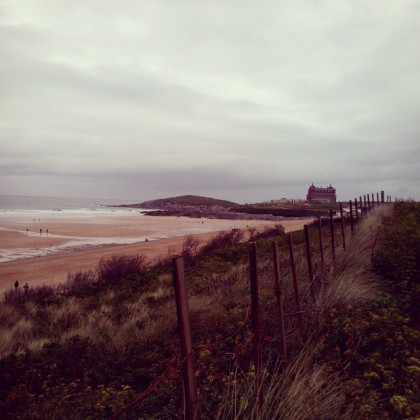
88 348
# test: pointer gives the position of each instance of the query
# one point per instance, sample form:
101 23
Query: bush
190 248
119 266
41 295
268 232
222 240
79 283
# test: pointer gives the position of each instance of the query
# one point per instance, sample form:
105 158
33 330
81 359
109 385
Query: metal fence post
309 261
351 217
357 210
190 389
343 231
332 235
256 327
295 283
321 247
280 301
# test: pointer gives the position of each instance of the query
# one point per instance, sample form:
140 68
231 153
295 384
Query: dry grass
16 338
351 280
301 390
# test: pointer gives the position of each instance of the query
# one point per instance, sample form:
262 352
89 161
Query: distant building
321 194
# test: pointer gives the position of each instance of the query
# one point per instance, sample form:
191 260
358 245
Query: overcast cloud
240 100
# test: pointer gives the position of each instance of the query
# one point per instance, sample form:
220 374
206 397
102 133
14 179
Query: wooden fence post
332 235
280 301
295 283
309 261
364 204
255 306
368 202
373 200
377 199
343 231
383 197
190 389
351 217
321 246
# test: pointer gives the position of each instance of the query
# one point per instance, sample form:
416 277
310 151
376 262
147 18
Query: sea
28 215
23 209
25 203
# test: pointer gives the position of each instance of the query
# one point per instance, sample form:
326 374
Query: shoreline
54 268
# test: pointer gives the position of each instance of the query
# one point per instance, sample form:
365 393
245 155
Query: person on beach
16 285
40 231
26 287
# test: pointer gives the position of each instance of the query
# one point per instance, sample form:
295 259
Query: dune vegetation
88 348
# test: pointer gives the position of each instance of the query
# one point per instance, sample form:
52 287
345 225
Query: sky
240 100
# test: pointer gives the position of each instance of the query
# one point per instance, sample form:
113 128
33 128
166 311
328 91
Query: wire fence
348 219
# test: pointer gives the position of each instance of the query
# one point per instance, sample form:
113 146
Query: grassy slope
376 344
106 343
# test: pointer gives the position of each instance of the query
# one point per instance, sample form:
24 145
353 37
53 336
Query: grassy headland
87 349
196 206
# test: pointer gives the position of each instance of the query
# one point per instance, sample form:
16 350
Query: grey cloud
210 96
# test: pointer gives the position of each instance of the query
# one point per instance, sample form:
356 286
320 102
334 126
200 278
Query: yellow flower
399 402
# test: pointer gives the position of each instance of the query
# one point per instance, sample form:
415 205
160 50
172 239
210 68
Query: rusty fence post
295 283
321 246
357 210
332 234
343 230
309 261
351 217
280 301
190 389
255 307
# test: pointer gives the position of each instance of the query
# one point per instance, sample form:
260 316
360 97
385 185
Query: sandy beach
30 254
